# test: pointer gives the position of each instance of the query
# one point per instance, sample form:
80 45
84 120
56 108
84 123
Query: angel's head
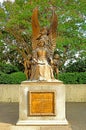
43 38
43 31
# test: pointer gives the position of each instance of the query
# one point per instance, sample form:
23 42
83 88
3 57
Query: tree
77 66
15 26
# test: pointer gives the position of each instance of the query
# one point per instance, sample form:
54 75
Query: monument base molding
42 122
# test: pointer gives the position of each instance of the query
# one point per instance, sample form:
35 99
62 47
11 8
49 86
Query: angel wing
35 28
52 32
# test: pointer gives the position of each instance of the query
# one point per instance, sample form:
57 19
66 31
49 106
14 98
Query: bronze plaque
41 103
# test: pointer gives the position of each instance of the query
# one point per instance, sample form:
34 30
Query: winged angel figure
43 45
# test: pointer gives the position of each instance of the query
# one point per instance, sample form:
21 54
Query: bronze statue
42 64
55 64
27 66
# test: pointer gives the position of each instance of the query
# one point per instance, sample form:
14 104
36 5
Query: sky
5 0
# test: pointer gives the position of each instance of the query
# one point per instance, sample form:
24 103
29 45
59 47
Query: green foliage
73 78
69 16
15 25
14 78
8 68
71 60
67 78
78 66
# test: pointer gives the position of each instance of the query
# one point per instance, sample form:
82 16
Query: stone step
40 128
25 127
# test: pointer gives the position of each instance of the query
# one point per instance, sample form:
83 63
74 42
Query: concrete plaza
76 116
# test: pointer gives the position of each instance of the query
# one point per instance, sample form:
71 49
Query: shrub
14 78
67 78
5 78
8 68
73 78
18 77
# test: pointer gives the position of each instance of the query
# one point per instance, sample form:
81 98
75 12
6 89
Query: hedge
67 78
73 78
13 78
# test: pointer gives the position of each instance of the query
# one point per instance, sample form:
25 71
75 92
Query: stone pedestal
42 103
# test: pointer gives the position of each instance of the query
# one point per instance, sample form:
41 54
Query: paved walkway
76 116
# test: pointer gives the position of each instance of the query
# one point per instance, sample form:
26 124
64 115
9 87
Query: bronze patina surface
42 63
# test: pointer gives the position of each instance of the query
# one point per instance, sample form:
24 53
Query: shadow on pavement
76 114
9 113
